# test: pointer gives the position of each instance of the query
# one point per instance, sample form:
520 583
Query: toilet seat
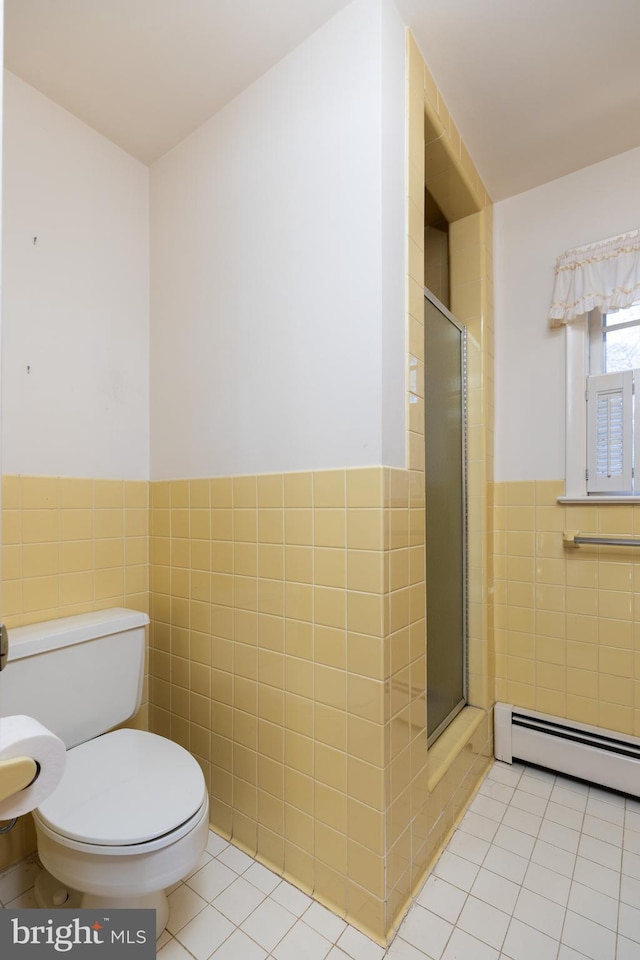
126 792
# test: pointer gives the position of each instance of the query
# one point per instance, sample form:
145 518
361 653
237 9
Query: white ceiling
145 73
538 88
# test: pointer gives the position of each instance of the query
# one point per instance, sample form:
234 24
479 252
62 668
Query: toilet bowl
130 816
129 819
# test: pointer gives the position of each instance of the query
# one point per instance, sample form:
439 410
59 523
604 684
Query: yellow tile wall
269 662
70 546
567 620
288 655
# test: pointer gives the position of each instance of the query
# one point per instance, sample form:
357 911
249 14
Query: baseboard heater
575 749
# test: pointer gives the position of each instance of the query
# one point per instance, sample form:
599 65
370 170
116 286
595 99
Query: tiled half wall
69 546
288 654
567 619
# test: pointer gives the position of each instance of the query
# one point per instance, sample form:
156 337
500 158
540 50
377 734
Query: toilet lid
125 787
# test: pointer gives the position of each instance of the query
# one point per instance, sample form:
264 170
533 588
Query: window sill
620 501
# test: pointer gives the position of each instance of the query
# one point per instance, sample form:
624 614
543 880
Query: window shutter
610 432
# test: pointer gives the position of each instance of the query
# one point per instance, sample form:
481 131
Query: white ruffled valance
605 275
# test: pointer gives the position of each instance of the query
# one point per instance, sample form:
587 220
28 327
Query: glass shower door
445 477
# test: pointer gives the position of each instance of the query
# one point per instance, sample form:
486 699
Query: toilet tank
79 676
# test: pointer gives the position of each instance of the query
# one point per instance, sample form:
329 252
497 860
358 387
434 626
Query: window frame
577 364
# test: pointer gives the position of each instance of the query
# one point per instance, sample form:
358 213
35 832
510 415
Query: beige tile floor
540 868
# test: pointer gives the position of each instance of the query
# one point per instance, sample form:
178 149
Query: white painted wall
531 230
394 230
1 166
75 303
271 308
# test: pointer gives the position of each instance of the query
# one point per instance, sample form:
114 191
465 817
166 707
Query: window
614 340
596 296
613 391
610 453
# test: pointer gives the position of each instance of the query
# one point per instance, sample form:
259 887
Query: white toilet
131 814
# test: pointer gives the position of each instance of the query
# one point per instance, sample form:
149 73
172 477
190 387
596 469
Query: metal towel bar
571 538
